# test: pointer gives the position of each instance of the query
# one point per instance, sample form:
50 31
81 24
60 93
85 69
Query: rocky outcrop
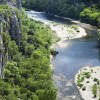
18 4
1 46
14 28
2 1
11 25
1 56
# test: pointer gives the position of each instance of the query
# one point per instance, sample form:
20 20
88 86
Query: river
73 55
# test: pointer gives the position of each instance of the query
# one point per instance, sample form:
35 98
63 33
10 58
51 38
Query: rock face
18 3
14 28
1 56
2 1
10 25
1 45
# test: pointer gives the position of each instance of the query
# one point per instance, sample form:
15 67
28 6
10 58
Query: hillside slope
24 56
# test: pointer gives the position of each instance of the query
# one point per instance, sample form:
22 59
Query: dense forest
86 10
27 72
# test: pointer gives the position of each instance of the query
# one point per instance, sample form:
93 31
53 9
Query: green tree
13 49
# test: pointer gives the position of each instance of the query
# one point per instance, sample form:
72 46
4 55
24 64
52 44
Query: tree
29 49
12 49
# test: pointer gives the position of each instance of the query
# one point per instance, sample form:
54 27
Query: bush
84 88
87 74
90 15
80 85
94 90
75 27
87 82
95 79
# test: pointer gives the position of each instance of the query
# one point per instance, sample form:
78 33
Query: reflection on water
73 55
77 54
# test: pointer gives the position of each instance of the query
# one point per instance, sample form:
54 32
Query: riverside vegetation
27 73
86 10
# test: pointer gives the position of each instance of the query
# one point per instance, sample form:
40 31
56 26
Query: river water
73 55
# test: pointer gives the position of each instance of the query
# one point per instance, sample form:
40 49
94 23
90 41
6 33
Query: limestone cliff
15 3
18 4
1 45
14 28
9 23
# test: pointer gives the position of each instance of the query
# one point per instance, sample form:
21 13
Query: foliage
94 90
81 78
87 74
91 15
27 74
35 4
99 33
6 10
86 10
84 88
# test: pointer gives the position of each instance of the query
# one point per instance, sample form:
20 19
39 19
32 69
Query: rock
98 41
18 4
10 25
15 3
1 57
54 53
15 28
2 1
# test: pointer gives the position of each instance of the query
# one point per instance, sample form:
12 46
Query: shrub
94 90
87 82
95 79
87 74
74 27
84 88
